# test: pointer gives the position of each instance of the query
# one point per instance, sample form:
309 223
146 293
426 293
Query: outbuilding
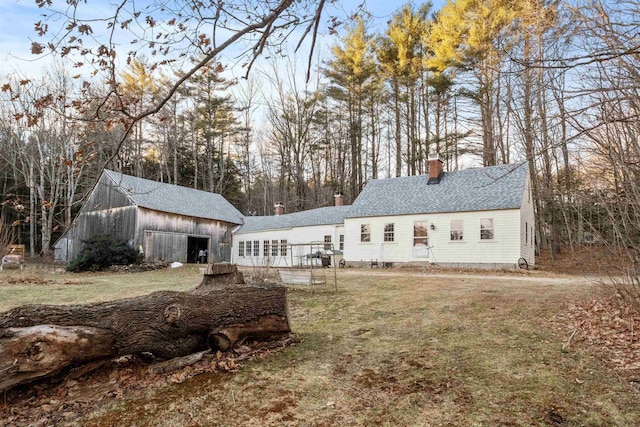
163 221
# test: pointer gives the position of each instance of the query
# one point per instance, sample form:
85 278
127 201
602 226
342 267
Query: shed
168 222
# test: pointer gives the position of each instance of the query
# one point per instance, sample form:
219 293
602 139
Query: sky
17 19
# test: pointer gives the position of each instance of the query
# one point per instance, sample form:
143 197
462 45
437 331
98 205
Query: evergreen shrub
102 251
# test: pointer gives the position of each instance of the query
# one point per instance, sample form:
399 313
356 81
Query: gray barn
171 222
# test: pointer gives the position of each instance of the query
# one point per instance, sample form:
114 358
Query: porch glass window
240 248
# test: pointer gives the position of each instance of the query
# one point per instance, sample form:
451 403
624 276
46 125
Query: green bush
102 251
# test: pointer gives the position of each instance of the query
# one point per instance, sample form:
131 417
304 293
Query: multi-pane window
389 234
342 242
247 248
327 242
256 248
283 247
486 229
365 233
265 248
420 234
240 248
274 248
456 229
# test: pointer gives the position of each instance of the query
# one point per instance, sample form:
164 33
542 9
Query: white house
478 218
289 240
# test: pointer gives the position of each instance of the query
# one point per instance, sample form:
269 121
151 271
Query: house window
240 248
247 248
389 233
486 229
256 247
327 243
274 248
342 242
456 229
365 233
283 247
265 248
526 232
420 239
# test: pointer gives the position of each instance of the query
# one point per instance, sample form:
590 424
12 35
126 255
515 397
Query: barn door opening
194 246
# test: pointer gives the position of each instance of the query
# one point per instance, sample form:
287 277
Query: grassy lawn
395 349
43 285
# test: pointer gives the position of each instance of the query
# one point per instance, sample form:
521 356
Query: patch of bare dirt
27 280
138 268
86 388
38 281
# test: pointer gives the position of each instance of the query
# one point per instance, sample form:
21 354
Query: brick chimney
338 199
279 208
435 169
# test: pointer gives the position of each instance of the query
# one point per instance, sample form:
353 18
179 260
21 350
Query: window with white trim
327 242
486 228
526 232
365 233
342 242
256 248
240 248
265 248
457 230
283 247
389 234
274 248
420 239
247 248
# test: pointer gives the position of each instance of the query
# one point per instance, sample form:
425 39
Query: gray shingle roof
494 187
320 216
176 199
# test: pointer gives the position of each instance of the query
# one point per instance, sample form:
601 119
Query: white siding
310 238
527 226
503 250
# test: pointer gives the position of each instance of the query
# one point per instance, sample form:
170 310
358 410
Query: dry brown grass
407 349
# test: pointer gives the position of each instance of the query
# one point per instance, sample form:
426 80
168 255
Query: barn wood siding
119 222
106 195
173 247
160 245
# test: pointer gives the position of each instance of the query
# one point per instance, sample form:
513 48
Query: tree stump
37 341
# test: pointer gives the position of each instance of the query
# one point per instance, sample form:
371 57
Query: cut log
40 340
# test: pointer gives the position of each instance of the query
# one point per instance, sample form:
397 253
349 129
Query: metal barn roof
175 199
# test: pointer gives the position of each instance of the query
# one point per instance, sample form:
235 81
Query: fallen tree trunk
37 341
